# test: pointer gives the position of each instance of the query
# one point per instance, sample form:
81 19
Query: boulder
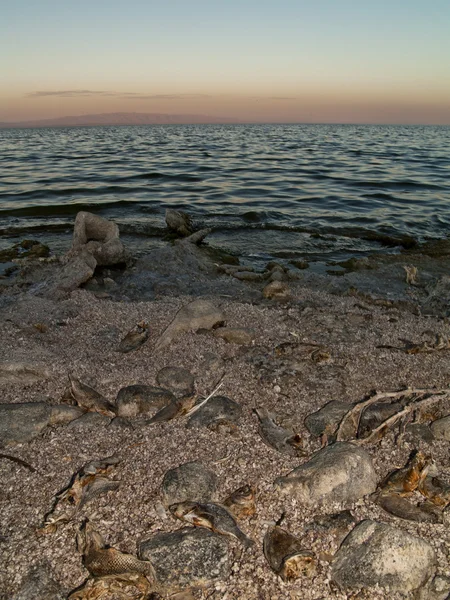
376 554
441 428
187 557
341 473
136 400
22 422
176 379
199 314
190 481
100 238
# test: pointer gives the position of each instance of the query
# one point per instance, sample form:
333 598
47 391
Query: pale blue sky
323 52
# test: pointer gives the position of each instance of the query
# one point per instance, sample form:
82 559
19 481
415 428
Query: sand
81 336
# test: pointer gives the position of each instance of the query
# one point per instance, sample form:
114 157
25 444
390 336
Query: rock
337 524
247 276
136 400
77 270
326 419
441 428
217 409
436 589
62 414
190 481
90 420
374 415
418 433
210 371
178 222
176 379
22 422
276 290
22 372
120 423
231 335
340 473
100 238
300 264
39 584
187 557
376 554
199 314
24 249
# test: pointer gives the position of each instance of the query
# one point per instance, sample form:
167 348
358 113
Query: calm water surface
316 191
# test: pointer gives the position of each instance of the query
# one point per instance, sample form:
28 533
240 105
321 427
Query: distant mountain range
121 118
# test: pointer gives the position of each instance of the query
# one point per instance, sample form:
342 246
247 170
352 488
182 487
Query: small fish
89 399
241 502
174 409
400 507
285 554
435 490
134 338
212 516
281 439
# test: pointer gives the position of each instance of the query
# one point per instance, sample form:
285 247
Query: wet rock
441 428
199 314
300 264
135 400
327 419
190 481
22 422
231 335
376 554
217 409
22 372
276 290
179 222
90 420
62 414
247 276
340 473
187 557
176 379
39 584
24 249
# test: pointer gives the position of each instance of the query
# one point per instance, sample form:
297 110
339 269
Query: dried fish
241 502
89 399
135 338
286 556
283 440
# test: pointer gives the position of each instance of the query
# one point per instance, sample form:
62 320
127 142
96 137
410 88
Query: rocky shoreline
295 425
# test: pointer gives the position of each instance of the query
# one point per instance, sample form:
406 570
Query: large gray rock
22 422
190 481
63 414
176 379
441 428
216 410
100 238
187 557
199 314
39 585
340 473
135 400
327 418
376 554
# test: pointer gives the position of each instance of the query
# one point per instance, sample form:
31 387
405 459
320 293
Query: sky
251 60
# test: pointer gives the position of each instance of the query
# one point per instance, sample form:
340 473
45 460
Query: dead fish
241 502
90 399
435 490
401 507
88 483
212 516
134 338
174 409
408 478
281 439
285 554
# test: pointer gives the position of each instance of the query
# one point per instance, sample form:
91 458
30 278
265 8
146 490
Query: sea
319 193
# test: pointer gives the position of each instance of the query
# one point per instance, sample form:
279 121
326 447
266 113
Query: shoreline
80 333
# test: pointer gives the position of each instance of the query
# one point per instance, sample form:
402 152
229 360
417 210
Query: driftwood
348 428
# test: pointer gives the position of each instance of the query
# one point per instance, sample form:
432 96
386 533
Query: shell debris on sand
147 452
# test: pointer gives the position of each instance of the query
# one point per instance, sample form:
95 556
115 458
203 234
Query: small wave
55 210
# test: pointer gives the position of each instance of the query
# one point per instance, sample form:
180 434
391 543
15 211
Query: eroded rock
376 554
340 473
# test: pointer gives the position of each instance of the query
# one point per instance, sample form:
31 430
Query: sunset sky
253 60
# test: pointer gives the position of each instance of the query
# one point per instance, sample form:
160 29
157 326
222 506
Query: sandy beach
80 335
